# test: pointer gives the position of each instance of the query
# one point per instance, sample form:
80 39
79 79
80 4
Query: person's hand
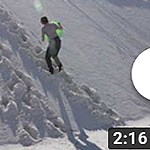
60 26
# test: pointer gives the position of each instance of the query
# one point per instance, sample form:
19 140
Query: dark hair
44 20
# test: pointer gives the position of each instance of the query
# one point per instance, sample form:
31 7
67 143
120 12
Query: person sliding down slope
52 31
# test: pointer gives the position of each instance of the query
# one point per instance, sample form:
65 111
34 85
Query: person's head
44 20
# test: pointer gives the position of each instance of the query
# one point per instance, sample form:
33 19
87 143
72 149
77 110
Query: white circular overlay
141 74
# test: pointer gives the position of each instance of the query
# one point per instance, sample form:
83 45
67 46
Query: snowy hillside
100 43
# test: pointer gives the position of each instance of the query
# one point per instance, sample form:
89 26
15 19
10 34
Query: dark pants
54 56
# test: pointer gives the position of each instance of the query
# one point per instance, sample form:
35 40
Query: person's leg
48 61
59 64
55 57
58 44
57 60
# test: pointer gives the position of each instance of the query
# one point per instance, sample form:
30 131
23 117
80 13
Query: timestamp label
129 138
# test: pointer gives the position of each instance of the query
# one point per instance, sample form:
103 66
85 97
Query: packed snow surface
72 109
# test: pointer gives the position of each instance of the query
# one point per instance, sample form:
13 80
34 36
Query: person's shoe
51 70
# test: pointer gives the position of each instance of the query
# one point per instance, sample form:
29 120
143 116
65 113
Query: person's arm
60 26
43 35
